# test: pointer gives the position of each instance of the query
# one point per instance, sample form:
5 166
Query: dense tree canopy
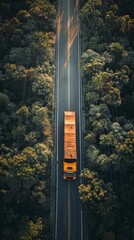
26 89
107 62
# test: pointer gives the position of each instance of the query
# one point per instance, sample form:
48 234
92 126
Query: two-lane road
68 224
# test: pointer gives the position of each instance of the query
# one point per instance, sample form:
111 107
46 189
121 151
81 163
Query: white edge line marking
79 79
57 184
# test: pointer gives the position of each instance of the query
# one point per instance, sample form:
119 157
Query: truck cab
69 170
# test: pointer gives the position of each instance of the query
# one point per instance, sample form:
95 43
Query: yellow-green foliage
96 194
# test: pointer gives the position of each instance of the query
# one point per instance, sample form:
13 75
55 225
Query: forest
27 34
107 71
27 68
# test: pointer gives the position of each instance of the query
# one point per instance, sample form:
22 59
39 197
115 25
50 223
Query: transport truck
70 149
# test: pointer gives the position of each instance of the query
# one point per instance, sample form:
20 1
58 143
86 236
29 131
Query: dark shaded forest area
27 38
26 103
107 62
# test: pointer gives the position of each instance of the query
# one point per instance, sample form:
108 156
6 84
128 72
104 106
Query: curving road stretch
68 222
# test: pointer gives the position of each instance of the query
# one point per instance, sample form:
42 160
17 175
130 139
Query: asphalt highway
68 223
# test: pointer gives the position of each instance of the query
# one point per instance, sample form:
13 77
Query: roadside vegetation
107 66
26 92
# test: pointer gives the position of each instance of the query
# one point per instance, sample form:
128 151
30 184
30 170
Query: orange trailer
70 149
